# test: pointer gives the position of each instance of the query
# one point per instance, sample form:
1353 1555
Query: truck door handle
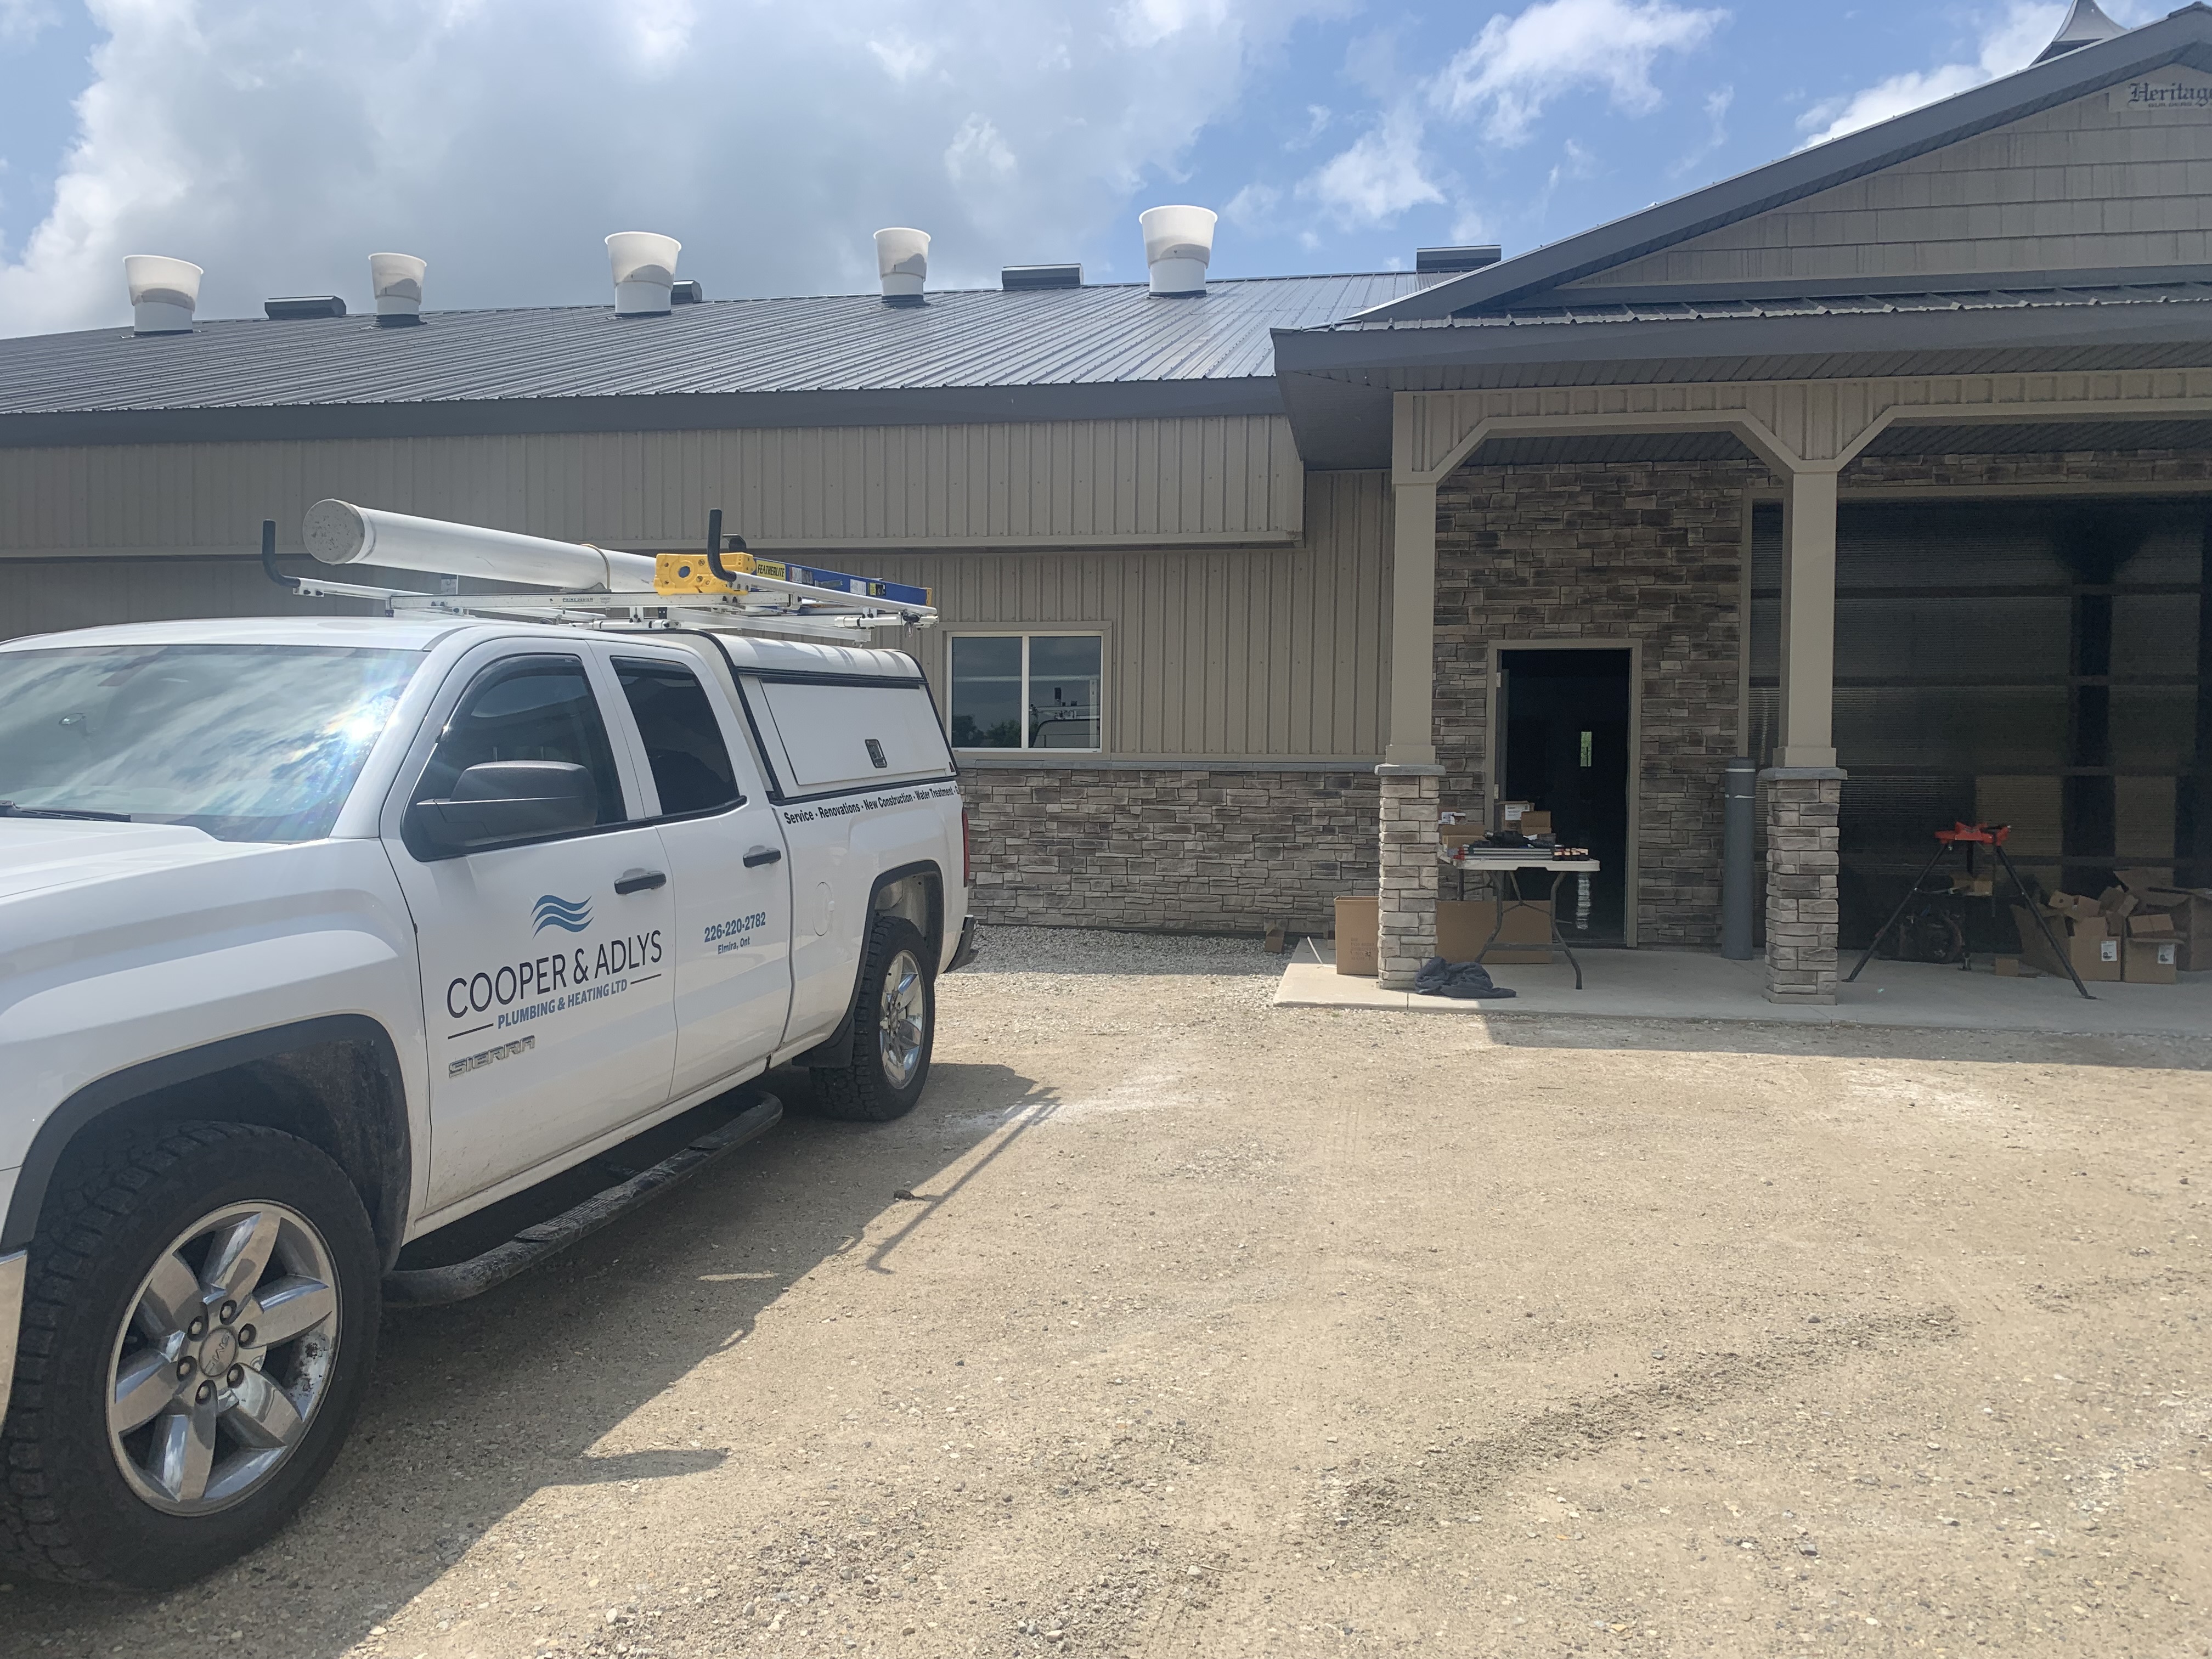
638 881
761 855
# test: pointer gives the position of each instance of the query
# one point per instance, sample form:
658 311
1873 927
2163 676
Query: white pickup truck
319 935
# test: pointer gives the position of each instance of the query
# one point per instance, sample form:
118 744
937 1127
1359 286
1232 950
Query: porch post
1804 788
1406 909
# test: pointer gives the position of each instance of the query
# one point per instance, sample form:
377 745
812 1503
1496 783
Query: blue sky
277 142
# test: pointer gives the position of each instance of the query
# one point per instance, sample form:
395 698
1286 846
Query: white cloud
1504 79
977 154
902 58
23 21
2010 40
1717 104
1149 22
1381 176
1518 66
1253 207
277 144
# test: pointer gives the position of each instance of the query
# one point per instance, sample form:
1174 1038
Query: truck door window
527 709
682 740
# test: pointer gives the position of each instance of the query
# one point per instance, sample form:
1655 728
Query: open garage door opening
2037 663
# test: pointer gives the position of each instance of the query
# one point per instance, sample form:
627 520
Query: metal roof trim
1978 322
669 412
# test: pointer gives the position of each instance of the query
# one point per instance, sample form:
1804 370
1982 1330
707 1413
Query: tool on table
1968 836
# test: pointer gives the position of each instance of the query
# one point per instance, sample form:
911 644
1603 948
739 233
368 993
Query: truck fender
335 1081
836 1048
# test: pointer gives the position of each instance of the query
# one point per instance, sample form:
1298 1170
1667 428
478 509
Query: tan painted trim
1410 739
1809 621
1795 426
1493 764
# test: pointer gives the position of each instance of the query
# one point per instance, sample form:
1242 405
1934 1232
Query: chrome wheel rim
899 1031
224 1355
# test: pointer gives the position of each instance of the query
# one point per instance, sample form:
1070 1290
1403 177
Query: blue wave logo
570 915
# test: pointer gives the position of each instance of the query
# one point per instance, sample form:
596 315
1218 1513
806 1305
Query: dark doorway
1563 719
2043 664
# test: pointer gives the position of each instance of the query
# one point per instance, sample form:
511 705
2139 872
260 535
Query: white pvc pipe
339 532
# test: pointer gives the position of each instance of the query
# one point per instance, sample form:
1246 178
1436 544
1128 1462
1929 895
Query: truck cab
323 934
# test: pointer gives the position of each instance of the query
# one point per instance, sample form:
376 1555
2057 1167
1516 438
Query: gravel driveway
1212 1329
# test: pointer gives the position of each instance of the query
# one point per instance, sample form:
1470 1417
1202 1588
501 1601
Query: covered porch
1792 445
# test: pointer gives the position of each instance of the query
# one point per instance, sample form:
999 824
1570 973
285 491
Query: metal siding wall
2080 187
1220 478
1224 653
1221 653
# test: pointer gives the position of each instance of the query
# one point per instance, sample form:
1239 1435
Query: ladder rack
750 604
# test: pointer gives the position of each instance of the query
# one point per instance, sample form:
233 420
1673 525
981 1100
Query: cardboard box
2152 924
2074 906
2191 910
1458 830
2089 942
1508 813
1534 823
2097 952
2150 961
1358 944
1463 924
2014 967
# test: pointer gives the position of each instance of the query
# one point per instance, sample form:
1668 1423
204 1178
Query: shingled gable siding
1646 551
1172 851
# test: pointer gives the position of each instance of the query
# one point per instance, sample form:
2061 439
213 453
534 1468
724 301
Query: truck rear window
245 742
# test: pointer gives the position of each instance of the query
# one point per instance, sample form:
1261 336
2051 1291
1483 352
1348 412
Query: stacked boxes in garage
2135 932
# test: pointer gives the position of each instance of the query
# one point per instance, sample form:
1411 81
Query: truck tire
894 1028
199 1327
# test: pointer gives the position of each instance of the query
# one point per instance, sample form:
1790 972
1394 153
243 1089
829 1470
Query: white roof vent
1178 246
164 293
644 264
397 280
902 261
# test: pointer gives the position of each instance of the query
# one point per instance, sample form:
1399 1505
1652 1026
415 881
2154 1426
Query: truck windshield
245 742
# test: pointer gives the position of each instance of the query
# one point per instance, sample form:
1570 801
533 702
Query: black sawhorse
1973 834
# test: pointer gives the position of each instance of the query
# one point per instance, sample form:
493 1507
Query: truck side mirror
498 801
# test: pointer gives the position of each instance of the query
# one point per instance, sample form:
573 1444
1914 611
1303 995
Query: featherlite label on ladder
846 809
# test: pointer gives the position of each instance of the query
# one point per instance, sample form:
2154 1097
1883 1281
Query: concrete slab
1696 985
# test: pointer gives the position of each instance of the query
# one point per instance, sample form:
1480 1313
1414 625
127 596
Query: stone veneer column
1800 882
1406 912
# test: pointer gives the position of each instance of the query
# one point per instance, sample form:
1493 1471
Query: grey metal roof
834 359
2182 37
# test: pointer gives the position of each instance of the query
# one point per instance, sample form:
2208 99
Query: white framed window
1026 690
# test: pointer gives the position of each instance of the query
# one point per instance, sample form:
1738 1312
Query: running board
430 1287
